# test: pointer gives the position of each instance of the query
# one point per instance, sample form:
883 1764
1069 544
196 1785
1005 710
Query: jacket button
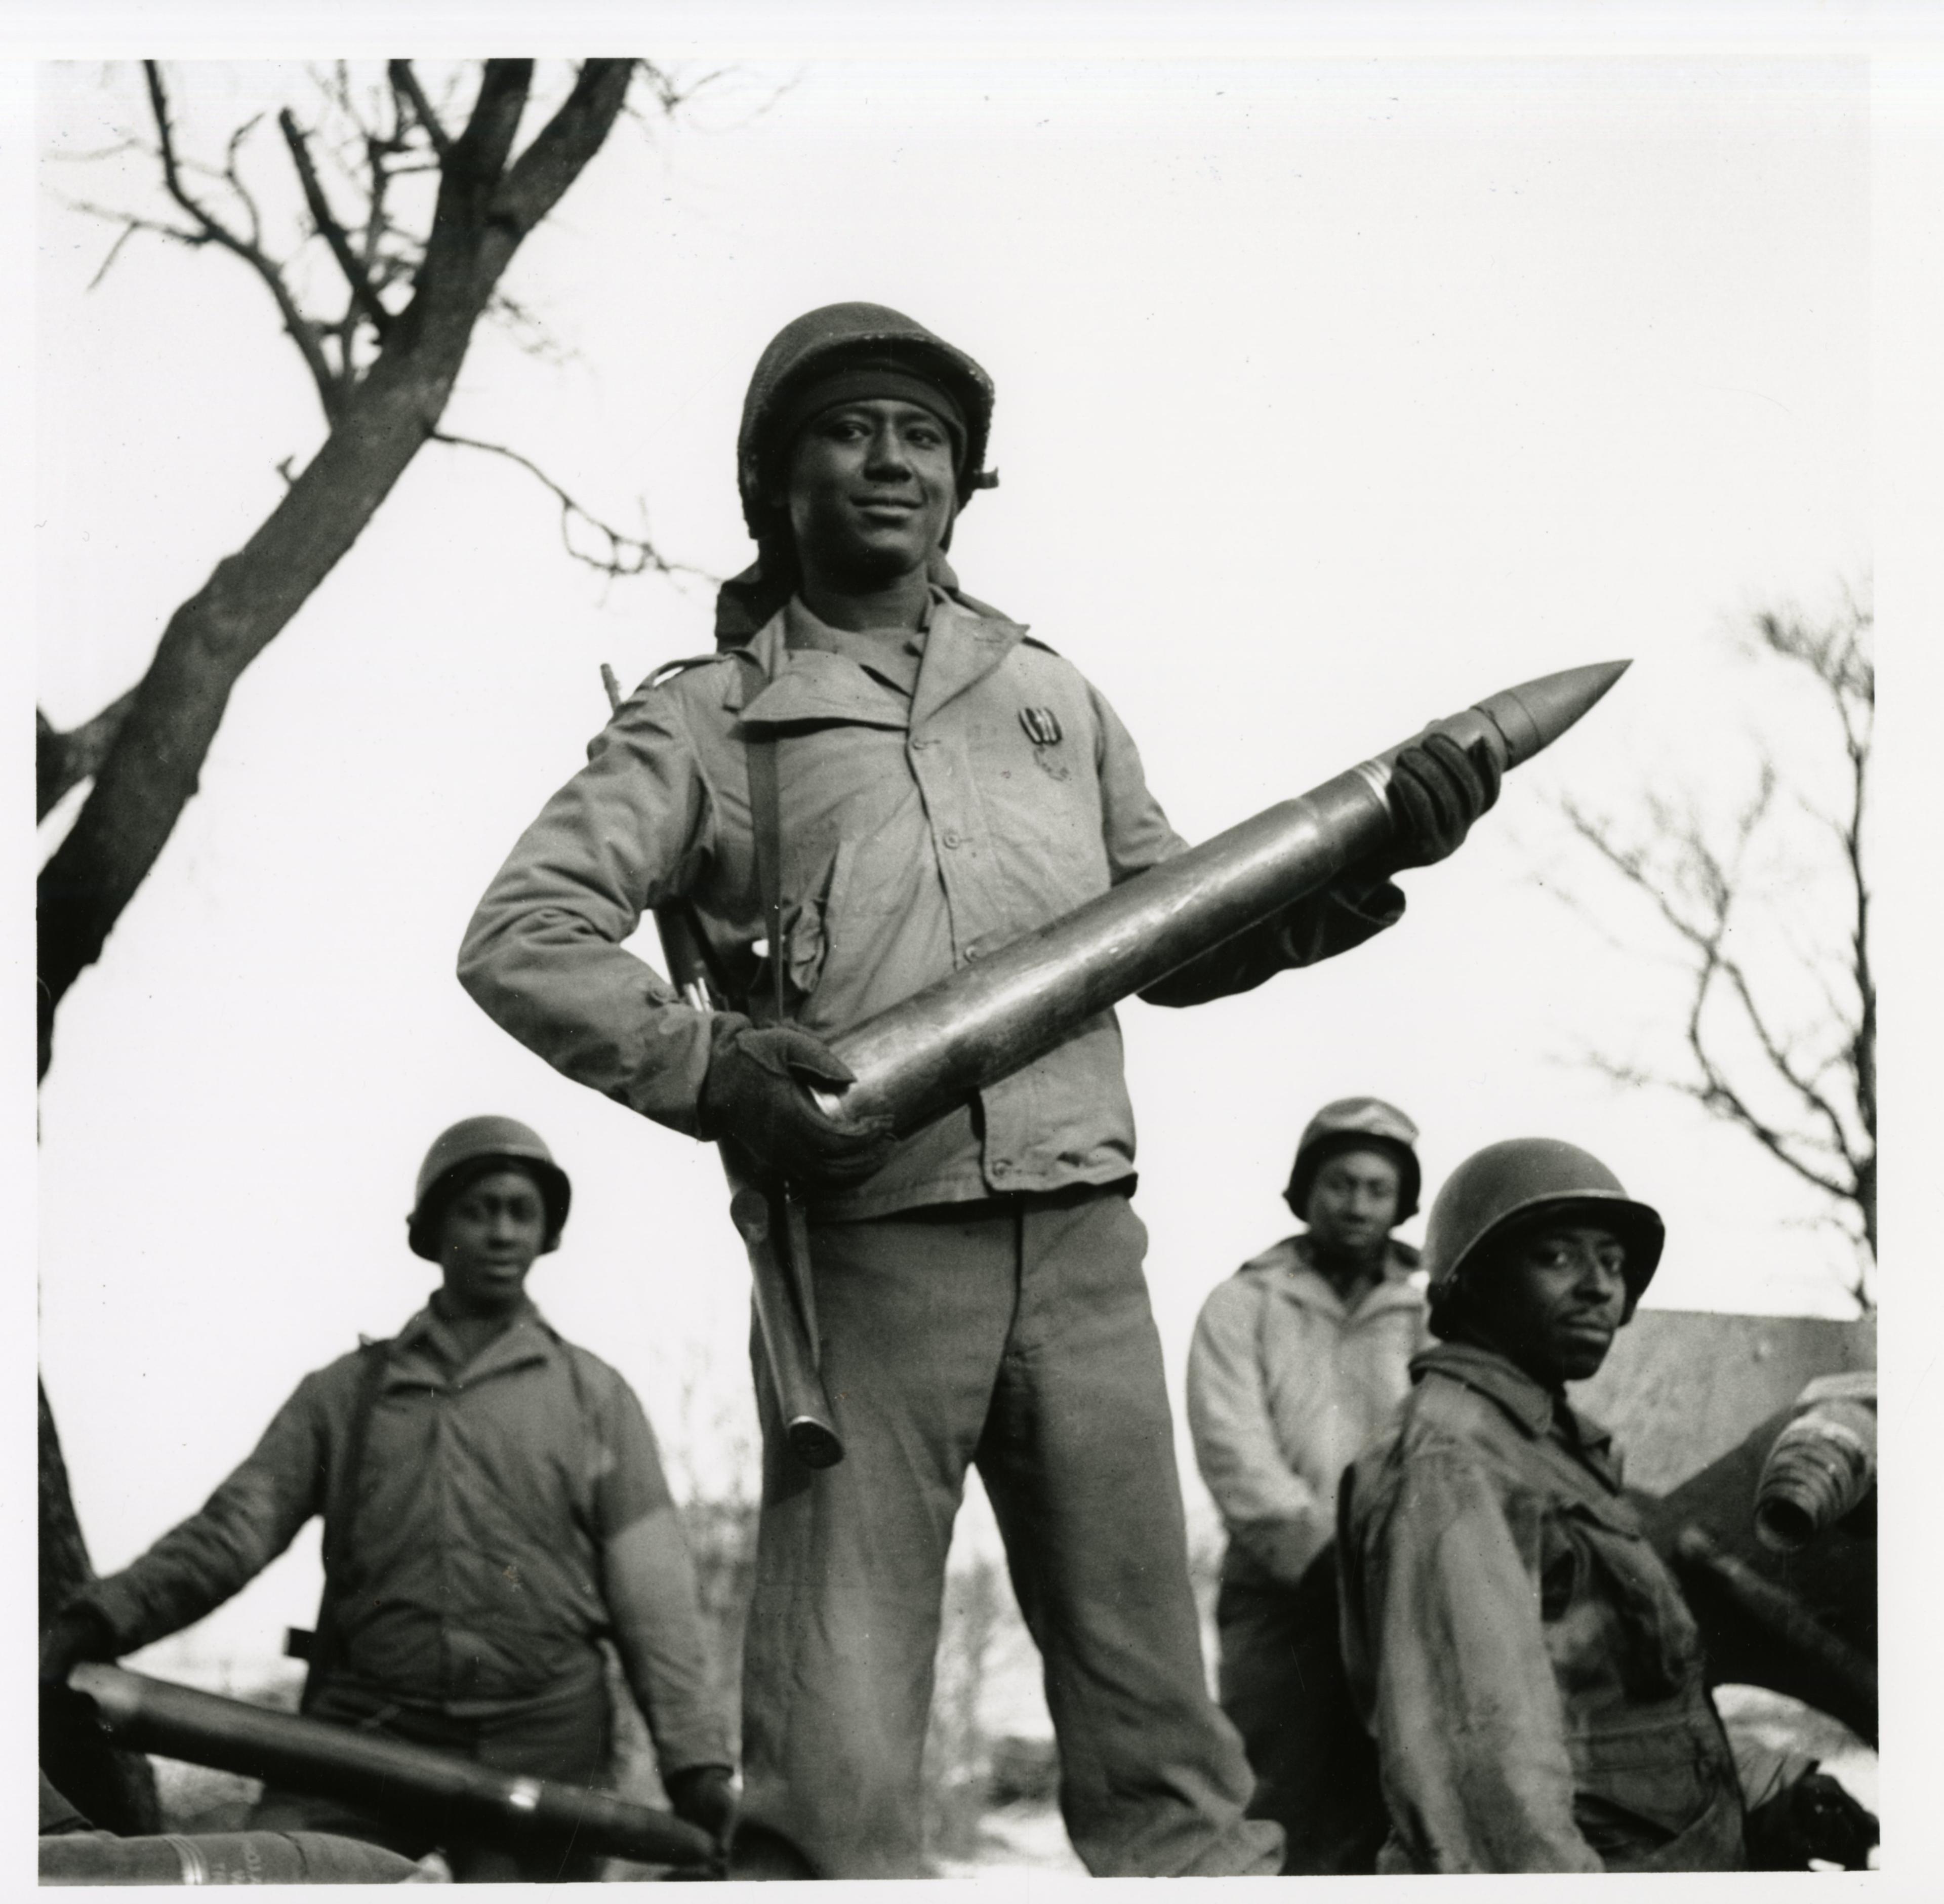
955 839
1000 1167
973 950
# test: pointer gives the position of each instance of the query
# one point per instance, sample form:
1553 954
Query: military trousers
1282 1682
1014 1333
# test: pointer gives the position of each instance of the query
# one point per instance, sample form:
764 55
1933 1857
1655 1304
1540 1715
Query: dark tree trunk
486 208
116 1789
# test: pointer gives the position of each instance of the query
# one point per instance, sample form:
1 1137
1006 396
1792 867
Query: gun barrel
984 1022
152 1715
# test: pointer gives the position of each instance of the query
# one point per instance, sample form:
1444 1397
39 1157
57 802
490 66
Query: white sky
1339 386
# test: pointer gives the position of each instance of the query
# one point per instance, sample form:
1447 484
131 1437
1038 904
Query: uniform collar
817 683
1292 1262
1534 1407
529 1338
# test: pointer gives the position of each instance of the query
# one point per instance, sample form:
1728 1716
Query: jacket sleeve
1470 1731
653 1609
244 1525
1138 836
544 956
1271 1513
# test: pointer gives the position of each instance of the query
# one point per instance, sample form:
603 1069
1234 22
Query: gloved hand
753 1094
1815 1817
75 1635
703 1796
1438 788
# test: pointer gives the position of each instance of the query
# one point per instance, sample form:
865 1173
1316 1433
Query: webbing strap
375 1359
766 827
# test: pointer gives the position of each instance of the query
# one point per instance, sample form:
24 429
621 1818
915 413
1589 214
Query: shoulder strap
374 1357
766 823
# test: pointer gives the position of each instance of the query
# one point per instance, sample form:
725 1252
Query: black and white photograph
957 935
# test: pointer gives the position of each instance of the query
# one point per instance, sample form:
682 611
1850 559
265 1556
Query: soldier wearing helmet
1525 1663
876 780
1297 1360
493 1507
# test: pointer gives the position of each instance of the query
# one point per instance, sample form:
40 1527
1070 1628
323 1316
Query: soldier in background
1524 1661
1297 1360
493 1507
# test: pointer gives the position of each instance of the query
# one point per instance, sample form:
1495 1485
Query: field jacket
1285 1386
922 828
510 1511
1526 1665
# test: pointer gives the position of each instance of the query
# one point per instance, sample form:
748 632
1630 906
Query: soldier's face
870 490
1353 1201
1555 1299
488 1237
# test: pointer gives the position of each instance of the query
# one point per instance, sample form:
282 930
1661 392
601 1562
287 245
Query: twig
302 333
406 81
333 233
626 555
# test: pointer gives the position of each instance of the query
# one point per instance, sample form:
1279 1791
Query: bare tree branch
1828 1139
626 555
63 761
301 331
487 202
332 232
406 83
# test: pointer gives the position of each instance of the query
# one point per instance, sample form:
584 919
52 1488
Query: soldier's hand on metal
1814 1818
756 1094
1438 788
704 1796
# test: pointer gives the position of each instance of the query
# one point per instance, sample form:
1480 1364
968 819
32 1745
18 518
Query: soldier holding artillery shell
493 1508
1525 1661
878 783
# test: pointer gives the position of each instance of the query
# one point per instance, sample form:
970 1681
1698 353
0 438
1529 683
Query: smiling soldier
1526 1663
493 1507
938 784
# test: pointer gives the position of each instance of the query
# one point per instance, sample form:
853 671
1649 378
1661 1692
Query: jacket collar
1533 1407
530 1339
960 649
1292 1264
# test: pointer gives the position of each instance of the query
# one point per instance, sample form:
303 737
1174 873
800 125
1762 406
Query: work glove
1438 788
703 1796
755 1095
1815 1817
77 1633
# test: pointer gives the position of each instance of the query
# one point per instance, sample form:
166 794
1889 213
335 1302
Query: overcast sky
1338 386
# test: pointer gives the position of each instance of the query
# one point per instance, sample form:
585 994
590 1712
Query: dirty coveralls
980 1298
1285 1385
510 1512
1525 1661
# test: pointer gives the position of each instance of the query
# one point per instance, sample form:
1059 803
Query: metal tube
152 1715
916 1060
1834 1675
785 1317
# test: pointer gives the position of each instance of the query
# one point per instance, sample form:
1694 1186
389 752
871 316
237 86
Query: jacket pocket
1639 1789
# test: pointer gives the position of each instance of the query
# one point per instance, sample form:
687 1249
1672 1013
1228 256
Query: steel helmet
1522 1177
818 343
449 1165
1356 1123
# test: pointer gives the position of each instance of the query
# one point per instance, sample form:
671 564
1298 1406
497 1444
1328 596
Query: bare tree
443 202
1769 910
410 291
